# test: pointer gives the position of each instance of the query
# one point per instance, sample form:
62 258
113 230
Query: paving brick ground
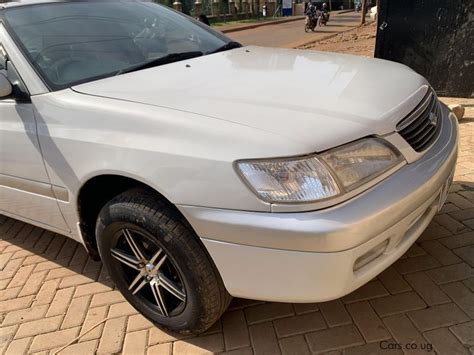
51 293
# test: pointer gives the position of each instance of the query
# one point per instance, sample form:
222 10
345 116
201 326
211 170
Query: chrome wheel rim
149 272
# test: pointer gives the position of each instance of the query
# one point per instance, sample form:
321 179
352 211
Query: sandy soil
359 41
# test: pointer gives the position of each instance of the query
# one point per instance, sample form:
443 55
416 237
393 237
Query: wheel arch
96 192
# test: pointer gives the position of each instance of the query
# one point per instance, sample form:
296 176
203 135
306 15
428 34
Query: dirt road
292 34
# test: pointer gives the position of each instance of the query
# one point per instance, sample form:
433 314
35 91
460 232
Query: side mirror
5 86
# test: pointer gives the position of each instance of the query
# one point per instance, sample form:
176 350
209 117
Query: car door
25 189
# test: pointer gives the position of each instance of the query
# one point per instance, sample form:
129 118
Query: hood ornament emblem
433 119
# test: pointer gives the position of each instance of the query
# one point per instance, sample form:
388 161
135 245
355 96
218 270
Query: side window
20 93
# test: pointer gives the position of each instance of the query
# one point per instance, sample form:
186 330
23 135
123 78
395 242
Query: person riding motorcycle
311 17
311 10
323 16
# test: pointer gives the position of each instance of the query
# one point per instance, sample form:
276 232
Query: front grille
422 126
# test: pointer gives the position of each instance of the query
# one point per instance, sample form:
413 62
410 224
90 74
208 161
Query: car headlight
319 177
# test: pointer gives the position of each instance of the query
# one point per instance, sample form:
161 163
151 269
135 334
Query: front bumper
316 256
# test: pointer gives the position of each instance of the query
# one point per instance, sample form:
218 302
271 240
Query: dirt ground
359 41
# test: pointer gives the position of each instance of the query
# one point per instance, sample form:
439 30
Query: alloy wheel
149 272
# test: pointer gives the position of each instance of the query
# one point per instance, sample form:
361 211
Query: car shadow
63 258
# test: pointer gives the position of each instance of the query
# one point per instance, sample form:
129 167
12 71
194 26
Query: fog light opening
371 255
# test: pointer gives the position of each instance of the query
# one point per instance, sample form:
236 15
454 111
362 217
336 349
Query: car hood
316 98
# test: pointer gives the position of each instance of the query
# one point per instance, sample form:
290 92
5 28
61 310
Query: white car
198 169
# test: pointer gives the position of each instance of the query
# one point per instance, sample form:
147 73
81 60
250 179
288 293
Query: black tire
153 225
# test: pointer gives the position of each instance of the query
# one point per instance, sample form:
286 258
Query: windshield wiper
226 47
170 58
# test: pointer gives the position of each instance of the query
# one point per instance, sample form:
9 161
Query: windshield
75 42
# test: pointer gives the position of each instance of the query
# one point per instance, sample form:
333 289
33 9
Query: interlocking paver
462 296
335 313
138 322
427 289
451 273
334 338
393 281
458 240
373 349
60 302
46 293
469 283
268 311
112 337
121 309
369 324
91 289
294 345
10 269
106 298
450 223
464 332
208 344
33 284
302 308
18 346
236 334
418 263
264 340
87 347
373 289
415 250
4 259
94 316
16 303
51 292
299 324
403 331
76 312
399 303
434 231
161 349
466 254
440 252
135 342
438 316
158 336
25 315
444 342
40 326
54 340
9 293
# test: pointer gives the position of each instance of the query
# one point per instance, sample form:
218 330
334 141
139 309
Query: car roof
16 3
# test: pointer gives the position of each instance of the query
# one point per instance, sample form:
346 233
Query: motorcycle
311 22
323 18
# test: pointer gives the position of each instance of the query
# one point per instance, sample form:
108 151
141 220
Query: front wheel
159 264
307 25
